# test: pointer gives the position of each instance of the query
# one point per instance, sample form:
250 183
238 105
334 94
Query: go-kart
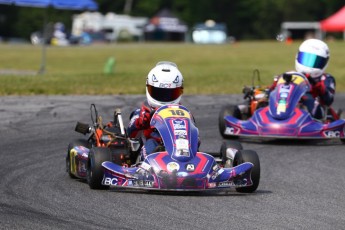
284 116
177 165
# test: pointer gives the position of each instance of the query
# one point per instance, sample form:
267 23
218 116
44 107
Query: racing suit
139 125
321 94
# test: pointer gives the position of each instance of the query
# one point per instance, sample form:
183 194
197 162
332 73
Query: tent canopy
334 23
58 4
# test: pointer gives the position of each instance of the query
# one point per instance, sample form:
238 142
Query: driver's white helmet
164 84
312 58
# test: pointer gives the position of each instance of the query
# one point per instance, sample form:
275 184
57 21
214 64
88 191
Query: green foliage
207 69
249 19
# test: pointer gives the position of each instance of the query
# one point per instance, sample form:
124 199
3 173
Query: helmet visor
164 94
312 60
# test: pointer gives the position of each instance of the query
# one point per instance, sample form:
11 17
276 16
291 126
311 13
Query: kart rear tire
68 157
95 171
251 156
225 145
227 110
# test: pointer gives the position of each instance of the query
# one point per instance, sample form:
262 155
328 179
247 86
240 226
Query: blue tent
57 4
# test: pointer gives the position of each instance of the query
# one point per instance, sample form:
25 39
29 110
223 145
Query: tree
245 19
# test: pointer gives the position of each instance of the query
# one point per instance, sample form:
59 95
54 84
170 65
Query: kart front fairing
283 118
286 96
181 166
179 134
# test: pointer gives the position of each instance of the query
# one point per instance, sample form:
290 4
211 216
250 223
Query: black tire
226 111
252 157
225 145
68 156
95 172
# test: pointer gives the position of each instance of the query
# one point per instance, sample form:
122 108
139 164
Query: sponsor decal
143 183
173 166
182 174
229 130
285 88
332 133
110 181
165 85
182 152
217 173
190 167
182 147
178 124
180 132
182 143
284 95
216 167
148 183
226 184
212 185
281 106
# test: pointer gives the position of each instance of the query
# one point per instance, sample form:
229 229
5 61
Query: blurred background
201 21
107 47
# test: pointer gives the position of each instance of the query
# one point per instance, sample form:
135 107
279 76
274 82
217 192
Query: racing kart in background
177 165
284 116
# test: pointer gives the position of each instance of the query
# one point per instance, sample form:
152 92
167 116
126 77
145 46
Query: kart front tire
251 156
226 111
95 171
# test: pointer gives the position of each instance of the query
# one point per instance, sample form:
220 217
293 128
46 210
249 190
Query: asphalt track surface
302 183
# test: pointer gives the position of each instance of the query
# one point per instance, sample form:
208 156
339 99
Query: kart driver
311 60
164 85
